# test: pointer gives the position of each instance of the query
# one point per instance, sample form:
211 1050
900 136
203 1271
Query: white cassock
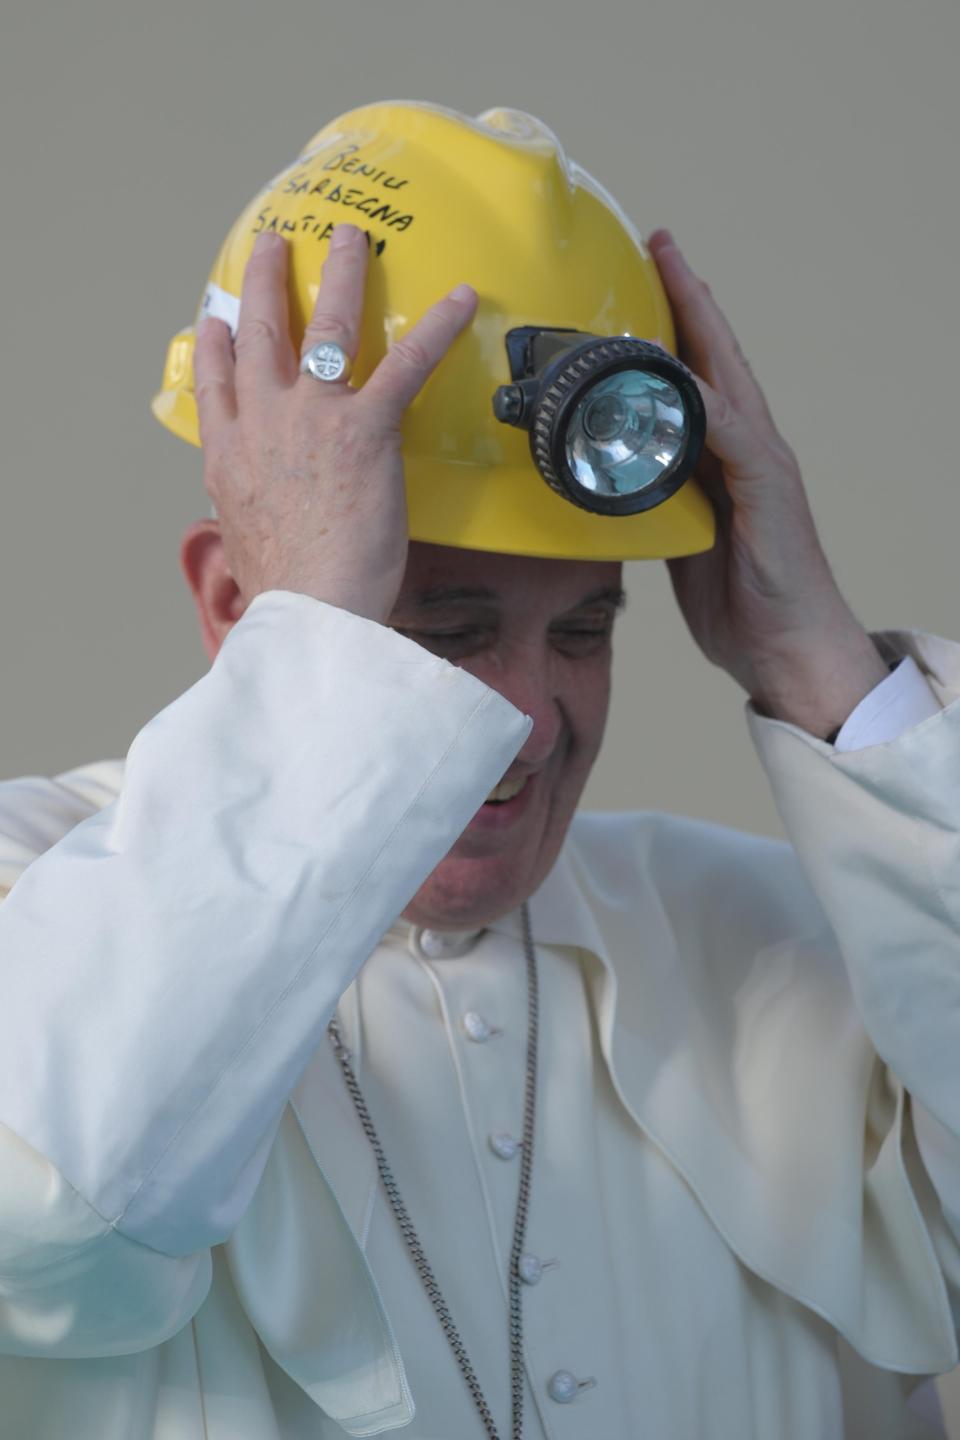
747 1163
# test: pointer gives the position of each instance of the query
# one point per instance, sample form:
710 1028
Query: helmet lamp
616 424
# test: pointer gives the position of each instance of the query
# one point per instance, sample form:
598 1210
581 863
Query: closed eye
574 640
451 644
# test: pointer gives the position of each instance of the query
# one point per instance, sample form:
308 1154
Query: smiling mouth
506 790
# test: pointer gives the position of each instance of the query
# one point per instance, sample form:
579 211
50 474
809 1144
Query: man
627 1124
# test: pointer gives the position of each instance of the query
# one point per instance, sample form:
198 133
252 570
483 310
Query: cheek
585 702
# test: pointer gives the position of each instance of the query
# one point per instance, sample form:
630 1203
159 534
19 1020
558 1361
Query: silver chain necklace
411 1239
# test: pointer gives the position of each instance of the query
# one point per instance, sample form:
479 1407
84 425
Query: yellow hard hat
493 201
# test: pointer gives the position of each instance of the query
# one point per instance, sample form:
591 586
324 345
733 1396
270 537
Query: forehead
435 572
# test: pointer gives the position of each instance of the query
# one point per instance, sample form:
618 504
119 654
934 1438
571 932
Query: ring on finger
326 361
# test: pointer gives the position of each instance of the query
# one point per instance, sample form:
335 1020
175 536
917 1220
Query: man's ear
215 592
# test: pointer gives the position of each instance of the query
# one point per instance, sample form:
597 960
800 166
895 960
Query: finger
707 339
338 312
264 355
747 458
709 476
410 362
213 386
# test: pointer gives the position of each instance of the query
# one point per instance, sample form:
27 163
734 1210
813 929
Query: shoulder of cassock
728 1021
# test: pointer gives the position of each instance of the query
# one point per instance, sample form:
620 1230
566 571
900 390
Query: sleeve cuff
894 706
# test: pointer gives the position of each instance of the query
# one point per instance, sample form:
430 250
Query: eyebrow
437 596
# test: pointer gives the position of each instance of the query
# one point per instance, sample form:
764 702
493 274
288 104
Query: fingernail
343 235
265 239
462 292
662 236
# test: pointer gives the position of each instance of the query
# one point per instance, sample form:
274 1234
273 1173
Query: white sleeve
877 830
171 964
902 700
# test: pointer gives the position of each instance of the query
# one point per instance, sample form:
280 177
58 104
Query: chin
498 863
469 892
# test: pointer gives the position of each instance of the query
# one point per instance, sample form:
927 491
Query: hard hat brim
514 512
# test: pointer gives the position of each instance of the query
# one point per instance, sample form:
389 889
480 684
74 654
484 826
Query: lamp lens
625 433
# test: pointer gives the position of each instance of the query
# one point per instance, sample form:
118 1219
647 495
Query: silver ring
326 361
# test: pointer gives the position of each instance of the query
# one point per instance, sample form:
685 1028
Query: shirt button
530 1268
504 1146
444 945
477 1027
562 1387
565 1387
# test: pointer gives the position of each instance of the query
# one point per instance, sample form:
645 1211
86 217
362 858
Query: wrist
818 687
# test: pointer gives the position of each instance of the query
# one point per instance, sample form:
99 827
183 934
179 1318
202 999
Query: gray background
804 155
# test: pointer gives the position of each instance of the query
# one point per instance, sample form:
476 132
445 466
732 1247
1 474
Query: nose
527 683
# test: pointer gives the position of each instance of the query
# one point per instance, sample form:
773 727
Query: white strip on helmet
220 305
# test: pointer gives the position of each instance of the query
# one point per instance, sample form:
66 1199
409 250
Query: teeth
506 789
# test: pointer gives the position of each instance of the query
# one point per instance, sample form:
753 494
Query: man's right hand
307 476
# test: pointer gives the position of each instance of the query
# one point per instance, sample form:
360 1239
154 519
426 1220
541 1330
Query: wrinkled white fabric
208 1261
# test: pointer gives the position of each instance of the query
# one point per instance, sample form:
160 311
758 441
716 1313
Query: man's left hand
762 603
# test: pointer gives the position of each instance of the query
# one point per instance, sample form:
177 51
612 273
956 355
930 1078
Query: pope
350 1079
